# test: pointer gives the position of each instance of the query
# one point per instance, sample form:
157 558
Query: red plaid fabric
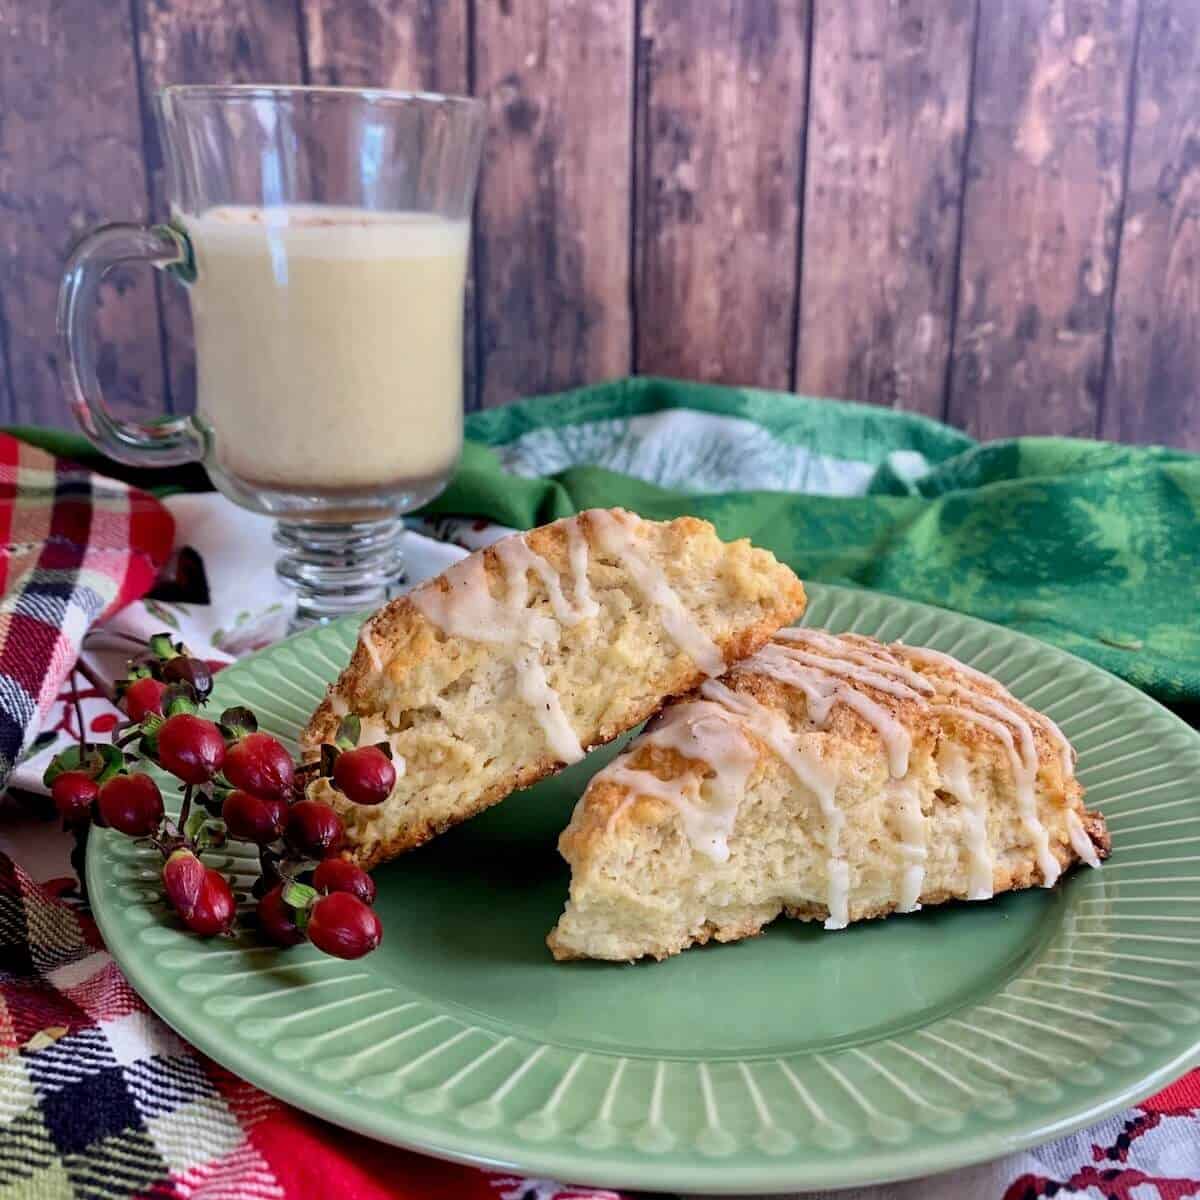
99 1099
74 547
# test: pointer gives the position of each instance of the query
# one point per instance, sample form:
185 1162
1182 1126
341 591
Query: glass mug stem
339 569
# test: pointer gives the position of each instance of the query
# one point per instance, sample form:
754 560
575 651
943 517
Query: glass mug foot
339 569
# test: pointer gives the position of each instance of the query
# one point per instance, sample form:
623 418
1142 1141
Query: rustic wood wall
987 212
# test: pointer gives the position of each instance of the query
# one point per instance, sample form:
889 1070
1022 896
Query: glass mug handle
162 443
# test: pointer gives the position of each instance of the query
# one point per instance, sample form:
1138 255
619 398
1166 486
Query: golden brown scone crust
640 888
447 702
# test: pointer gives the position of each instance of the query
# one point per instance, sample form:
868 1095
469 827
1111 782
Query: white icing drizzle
935 658
639 782
371 731
897 741
823 688
839 895
337 705
956 779
772 729
913 849
995 713
827 668
617 539
701 732
829 665
841 648
368 644
467 608
1024 771
518 560
1080 842
577 557
1002 712
534 688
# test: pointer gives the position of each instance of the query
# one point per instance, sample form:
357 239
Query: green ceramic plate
799 1059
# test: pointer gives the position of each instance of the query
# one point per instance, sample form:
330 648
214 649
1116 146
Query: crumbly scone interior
522 657
826 777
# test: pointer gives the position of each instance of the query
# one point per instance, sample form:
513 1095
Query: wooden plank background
987 213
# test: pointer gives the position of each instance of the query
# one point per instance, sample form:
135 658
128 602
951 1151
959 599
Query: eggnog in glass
322 234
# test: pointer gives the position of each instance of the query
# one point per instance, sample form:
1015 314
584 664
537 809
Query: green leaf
238 721
195 822
179 698
161 612
101 760
136 671
162 647
212 836
349 731
65 760
298 895
112 761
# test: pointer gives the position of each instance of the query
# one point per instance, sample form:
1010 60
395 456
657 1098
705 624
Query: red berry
253 819
365 775
341 875
190 747
131 804
142 697
215 909
183 876
73 793
259 764
342 925
313 829
276 921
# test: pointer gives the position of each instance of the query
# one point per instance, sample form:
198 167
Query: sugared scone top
934 718
524 655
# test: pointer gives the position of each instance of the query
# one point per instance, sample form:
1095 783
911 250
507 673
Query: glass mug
322 234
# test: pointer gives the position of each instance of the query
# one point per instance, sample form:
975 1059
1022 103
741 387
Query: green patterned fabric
1091 546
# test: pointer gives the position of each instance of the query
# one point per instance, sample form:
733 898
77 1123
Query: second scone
525 655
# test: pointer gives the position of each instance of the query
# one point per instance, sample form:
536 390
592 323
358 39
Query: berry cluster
238 782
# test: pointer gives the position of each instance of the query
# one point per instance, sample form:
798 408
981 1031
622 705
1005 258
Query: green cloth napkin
1091 546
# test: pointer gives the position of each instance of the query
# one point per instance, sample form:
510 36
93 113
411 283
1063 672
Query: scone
522 657
828 778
